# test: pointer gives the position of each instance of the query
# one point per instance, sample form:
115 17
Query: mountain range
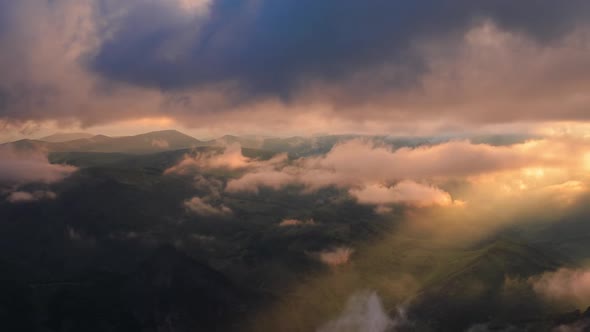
115 248
165 140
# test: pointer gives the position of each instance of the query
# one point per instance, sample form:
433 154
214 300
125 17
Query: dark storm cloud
331 66
268 46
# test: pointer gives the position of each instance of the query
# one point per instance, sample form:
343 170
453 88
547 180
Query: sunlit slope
446 288
479 286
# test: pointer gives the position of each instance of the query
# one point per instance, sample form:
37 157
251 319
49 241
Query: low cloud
19 167
210 185
22 167
580 326
364 312
362 163
382 209
404 192
230 157
269 178
200 207
25 196
160 143
569 286
381 175
335 256
296 222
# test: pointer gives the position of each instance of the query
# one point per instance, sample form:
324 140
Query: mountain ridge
149 142
64 137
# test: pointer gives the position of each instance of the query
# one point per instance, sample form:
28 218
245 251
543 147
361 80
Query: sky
293 67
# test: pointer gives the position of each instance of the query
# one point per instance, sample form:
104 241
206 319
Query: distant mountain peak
100 136
64 137
171 131
166 133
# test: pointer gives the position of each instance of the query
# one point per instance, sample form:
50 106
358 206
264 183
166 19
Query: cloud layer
404 192
363 162
381 175
365 66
